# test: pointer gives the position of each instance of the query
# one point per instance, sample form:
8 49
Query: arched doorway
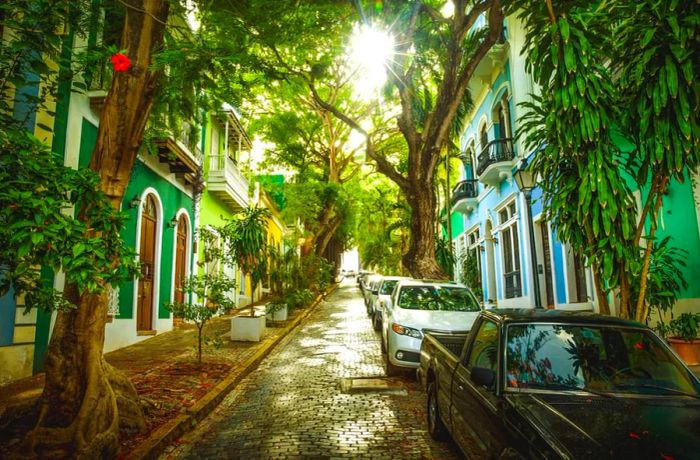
147 258
491 296
180 258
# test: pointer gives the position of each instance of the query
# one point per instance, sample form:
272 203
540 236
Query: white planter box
247 328
279 315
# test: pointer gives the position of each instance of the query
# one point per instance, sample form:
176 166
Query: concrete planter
247 328
279 313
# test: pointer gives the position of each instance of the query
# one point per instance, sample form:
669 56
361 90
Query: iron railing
495 151
465 189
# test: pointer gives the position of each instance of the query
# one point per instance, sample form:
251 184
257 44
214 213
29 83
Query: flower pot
689 352
247 328
280 313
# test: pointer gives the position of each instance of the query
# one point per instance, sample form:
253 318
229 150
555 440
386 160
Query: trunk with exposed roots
86 401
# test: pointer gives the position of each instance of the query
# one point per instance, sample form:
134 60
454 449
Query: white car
383 297
370 288
418 306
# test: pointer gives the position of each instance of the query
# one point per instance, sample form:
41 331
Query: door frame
156 257
188 250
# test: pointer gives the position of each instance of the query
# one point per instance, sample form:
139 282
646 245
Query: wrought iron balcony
464 196
496 161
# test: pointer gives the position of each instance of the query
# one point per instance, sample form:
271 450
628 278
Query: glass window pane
551 356
484 352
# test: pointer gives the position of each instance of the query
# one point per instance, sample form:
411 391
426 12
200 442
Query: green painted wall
172 199
679 221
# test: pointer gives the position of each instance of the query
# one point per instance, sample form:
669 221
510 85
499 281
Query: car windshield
437 298
388 287
599 358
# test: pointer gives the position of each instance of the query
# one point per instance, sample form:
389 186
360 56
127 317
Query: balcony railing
513 287
465 189
226 181
496 151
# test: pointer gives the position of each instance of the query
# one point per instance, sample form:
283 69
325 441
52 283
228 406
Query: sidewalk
175 392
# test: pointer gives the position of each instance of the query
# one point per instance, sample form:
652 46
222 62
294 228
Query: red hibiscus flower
121 62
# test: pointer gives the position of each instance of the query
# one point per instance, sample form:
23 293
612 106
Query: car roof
541 315
415 282
395 278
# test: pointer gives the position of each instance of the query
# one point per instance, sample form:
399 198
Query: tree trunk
420 258
86 401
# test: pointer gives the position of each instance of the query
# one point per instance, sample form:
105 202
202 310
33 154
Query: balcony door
147 256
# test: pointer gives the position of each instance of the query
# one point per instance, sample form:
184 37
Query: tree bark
85 400
420 258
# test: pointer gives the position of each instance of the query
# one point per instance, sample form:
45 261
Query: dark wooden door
546 256
147 255
180 258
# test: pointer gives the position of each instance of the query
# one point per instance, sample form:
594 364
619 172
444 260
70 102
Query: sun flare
370 50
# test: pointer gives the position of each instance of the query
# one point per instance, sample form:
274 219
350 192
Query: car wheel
377 322
391 370
435 426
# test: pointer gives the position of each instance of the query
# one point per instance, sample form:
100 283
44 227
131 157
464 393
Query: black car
551 384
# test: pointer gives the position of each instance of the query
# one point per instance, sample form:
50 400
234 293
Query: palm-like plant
246 238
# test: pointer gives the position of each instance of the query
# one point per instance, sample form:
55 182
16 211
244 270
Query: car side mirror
483 376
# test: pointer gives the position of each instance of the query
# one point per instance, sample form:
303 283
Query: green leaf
564 29
569 57
671 76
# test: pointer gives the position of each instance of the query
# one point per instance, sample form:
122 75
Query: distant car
369 287
384 290
417 306
541 384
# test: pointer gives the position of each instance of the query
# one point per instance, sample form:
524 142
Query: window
388 287
502 115
484 352
471 262
603 358
510 251
436 298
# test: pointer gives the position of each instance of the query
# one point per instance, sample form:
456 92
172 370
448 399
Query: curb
156 443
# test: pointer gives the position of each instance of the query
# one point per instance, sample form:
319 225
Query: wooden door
180 258
546 254
147 256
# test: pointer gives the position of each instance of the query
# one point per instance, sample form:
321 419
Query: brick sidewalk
161 369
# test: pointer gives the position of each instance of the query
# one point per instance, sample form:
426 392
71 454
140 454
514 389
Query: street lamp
526 182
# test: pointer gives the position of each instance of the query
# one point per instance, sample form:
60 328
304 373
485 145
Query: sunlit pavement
293 405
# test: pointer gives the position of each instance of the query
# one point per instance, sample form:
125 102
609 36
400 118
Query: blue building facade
496 229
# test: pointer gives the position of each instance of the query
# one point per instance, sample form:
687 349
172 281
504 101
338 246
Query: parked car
418 306
383 297
369 287
552 384
363 280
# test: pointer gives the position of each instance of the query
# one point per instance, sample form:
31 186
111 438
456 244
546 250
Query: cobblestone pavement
292 406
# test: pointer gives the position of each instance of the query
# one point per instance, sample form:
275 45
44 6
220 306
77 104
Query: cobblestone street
293 406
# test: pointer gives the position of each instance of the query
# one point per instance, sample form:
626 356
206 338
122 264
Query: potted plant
684 337
245 237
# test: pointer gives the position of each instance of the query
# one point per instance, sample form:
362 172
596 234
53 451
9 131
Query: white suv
418 306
